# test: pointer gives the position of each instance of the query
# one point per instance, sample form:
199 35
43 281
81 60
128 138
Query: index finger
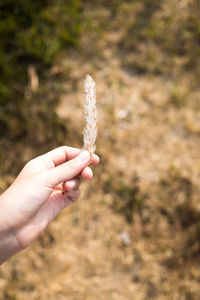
62 154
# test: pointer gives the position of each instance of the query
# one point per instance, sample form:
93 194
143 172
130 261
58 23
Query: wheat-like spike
90 114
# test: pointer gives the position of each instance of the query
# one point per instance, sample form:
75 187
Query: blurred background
135 233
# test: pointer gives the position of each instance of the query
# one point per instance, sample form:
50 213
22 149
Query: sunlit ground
135 233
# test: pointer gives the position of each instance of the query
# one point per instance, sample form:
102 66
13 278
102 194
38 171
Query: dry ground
135 233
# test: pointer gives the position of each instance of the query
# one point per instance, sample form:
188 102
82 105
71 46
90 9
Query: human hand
45 186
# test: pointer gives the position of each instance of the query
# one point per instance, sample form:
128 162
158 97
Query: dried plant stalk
90 114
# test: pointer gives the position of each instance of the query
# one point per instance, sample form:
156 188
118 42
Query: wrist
9 244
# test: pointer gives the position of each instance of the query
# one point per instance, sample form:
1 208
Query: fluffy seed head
90 114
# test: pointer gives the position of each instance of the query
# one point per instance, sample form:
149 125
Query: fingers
67 170
58 156
72 196
71 184
49 211
87 173
62 154
95 159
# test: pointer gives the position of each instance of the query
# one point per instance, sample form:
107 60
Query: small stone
125 238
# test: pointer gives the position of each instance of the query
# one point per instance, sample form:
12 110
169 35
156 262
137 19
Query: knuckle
72 184
74 194
74 199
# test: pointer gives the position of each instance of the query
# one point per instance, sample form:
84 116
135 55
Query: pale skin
45 186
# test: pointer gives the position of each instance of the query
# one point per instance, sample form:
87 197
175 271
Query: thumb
68 169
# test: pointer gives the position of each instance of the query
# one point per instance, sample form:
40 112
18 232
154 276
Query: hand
45 186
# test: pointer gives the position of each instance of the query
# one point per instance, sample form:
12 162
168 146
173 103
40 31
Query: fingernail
84 156
97 157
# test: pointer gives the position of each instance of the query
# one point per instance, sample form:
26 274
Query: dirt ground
135 233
